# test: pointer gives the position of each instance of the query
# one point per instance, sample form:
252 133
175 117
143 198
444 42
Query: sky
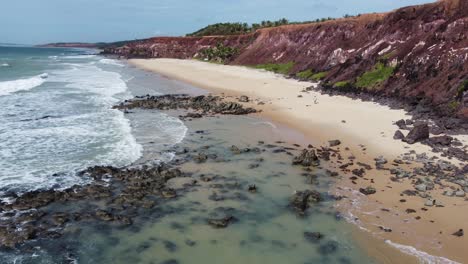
45 21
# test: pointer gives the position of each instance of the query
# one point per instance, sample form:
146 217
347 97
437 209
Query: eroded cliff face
426 46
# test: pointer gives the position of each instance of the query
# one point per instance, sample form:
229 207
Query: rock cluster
203 105
37 215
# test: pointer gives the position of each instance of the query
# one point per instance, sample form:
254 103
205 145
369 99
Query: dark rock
190 243
459 233
104 215
301 200
244 99
398 135
334 143
204 104
235 150
193 115
441 140
328 248
252 188
306 158
313 237
222 222
401 124
368 190
200 158
419 132
170 246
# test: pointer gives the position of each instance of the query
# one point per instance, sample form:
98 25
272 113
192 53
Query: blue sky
42 21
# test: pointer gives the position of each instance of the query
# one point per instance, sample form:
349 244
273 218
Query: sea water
57 117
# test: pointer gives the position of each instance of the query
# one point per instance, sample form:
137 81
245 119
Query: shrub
379 74
220 53
307 74
319 76
342 84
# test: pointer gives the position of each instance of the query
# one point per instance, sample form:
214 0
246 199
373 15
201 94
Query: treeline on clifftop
238 28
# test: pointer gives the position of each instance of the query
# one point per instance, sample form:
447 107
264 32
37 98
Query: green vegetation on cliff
282 68
238 28
342 84
310 75
379 74
219 54
222 29
305 75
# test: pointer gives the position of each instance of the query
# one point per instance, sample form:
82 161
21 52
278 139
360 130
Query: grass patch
283 68
454 105
319 76
305 74
379 74
341 84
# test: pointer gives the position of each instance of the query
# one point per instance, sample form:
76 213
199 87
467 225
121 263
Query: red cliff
426 46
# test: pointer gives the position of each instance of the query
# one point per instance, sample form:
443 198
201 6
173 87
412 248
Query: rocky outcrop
204 105
425 47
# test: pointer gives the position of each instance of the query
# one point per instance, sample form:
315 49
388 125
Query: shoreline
282 104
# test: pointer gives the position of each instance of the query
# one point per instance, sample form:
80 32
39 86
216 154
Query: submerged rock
222 222
328 248
313 237
302 200
306 158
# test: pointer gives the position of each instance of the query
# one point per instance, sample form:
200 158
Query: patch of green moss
341 84
282 68
319 76
379 74
305 74
386 56
454 105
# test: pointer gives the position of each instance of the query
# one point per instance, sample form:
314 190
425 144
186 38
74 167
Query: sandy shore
355 123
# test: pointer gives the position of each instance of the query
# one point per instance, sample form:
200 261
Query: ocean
57 117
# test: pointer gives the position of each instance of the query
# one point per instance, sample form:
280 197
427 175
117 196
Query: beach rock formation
418 133
422 50
204 105
302 200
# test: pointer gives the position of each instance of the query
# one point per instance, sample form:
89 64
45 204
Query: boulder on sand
419 132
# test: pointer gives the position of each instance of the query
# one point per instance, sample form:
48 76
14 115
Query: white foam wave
4 65
422 256
111 62
79 57
92 79
86 132
9 87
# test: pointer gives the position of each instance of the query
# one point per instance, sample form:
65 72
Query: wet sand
323 118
